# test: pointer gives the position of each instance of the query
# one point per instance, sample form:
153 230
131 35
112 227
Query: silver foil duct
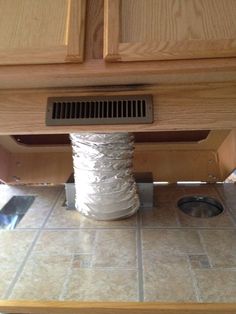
104 182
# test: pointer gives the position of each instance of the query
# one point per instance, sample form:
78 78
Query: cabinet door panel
169 29
41 31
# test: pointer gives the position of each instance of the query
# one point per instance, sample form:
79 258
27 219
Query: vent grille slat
99 110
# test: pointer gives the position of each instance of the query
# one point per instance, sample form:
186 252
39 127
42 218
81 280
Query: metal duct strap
104 182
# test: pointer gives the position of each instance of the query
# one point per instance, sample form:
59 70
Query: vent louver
99 110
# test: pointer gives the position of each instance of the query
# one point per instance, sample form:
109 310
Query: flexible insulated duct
104 182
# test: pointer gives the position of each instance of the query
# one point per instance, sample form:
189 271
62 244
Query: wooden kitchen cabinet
141 30
41 31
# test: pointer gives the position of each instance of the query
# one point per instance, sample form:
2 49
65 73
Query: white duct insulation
104 182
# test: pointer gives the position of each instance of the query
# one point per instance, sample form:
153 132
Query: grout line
113 268
195 285
190 228
21 267
140 258
90 228
202 242
178 223
127 228
204 247
66 282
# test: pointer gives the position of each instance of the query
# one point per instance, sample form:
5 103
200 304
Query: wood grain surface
94 29
227 155
172 162
45 31
177 20
27 307
97 72
169 29
176 107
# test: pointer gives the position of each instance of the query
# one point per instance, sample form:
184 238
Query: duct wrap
104 183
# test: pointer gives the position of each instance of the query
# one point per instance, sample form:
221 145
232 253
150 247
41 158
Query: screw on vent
200 206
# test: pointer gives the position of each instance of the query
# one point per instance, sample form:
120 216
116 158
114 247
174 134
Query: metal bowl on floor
200 206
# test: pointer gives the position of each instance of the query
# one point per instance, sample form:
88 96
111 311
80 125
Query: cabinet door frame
114 50
72 51
76 31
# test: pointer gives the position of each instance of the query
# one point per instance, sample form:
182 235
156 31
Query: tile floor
160 254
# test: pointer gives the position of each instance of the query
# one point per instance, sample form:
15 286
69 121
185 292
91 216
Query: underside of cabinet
186 158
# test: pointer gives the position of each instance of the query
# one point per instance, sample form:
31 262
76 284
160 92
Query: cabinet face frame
71 51
114 50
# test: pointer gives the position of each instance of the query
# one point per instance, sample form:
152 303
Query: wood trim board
166 165
227 155
4 164
212 142
176 107
100 73
172 162
30 307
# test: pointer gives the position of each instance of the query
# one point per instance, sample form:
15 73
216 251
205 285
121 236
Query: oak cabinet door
41 31
137 30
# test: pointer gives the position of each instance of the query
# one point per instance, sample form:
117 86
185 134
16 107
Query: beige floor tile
34 218
14 246
216 285
109 248
102 285
8 271
222 221
43 278
168 194
172 241
99 264
115 248
228 193
203 189
63 218
220 246
167 278
82 261
228 190
199 261
7 191
37 213
160 216
45 197
66 242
